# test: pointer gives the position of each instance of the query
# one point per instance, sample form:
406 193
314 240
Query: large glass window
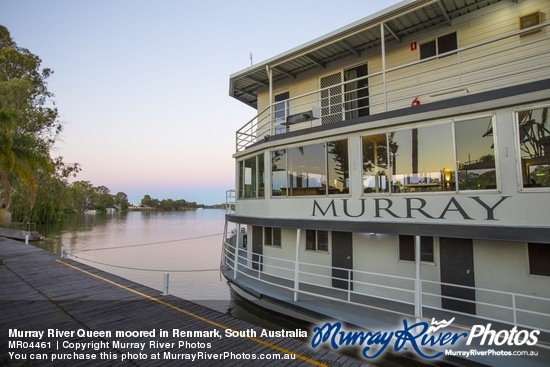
338 167
534 145
475 154
317 169
375 163
307 170
279 173
251 177
423 159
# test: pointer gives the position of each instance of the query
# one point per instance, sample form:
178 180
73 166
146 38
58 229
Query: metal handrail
249 271
263 124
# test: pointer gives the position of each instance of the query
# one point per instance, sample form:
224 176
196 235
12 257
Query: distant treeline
173 205
54 206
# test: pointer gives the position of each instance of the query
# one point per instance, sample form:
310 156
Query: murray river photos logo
428 341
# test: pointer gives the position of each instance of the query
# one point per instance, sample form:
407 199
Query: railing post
349 285
297 265
165 284
514 308
236 256
417 282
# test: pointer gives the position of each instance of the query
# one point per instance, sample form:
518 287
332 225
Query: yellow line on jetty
198 317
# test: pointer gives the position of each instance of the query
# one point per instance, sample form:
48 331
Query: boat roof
400 20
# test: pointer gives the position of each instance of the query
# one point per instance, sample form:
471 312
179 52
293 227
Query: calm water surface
142 246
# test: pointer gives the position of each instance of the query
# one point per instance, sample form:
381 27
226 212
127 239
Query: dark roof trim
482 232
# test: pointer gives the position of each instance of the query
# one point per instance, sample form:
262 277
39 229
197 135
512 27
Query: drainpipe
383 44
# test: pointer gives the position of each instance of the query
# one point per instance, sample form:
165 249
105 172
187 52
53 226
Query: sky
142 87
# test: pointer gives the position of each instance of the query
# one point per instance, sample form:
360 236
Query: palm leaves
22 156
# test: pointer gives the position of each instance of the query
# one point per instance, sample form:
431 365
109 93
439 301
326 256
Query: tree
28 121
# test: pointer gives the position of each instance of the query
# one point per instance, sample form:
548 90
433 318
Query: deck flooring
40 292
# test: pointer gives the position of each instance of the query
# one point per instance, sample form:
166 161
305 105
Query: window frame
437 46
324 190
272 237
426 255
521 185
316 247
258 180
531 255
454 169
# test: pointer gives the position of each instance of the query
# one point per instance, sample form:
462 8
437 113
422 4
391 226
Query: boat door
257 247
342 258
457 267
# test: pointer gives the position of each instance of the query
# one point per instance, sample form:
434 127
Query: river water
143 245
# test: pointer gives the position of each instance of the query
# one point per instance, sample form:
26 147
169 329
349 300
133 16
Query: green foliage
29 178
169 204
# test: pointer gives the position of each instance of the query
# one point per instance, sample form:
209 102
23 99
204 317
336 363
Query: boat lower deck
318 309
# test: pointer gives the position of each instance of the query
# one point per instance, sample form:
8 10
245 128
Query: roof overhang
400 20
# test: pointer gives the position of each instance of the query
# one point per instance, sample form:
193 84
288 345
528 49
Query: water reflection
141 246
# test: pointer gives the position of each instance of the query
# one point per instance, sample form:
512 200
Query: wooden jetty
93 318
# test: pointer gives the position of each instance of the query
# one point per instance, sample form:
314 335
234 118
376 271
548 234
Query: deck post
165 284
236 257
297 265
418 282
64 254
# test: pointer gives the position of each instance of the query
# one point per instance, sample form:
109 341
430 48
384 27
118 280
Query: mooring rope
148 243
143 269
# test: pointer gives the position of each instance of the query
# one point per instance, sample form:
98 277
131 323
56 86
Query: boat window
475 154
356 92
338 167
317 240
307 170
406 248
251 177
539 255
272 236
439 46
375 163
279 173
281 111
423 159
534 146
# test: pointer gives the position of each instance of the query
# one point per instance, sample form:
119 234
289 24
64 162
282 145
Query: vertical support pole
165 284
418 282
297 265
236 257
26 239
383 44
271 117
64 252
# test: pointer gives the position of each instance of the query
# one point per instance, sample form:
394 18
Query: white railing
499 62
382 291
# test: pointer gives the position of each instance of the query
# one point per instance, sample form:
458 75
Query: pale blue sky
142 86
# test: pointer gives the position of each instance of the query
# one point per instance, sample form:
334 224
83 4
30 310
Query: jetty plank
40 292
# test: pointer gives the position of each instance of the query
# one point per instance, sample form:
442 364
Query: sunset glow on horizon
142 86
